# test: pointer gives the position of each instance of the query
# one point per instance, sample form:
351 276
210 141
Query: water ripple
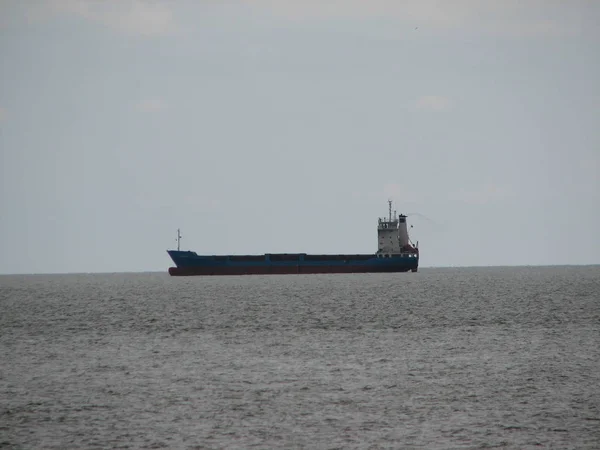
444 358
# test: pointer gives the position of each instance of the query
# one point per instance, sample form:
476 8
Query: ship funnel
402 231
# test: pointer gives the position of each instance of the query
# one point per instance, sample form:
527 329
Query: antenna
178 238
390 207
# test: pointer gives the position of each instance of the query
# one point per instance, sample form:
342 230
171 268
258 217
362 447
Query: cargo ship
395 253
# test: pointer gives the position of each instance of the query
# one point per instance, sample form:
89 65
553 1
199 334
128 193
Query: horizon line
130 272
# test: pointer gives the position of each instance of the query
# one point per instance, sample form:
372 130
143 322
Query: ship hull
191 264
282 270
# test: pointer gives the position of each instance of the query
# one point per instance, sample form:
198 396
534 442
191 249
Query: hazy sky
284 126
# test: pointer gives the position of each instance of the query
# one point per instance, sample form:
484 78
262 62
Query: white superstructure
392 236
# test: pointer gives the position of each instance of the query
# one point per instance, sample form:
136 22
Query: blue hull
189 263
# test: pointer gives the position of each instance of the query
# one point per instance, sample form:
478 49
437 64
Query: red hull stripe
285 270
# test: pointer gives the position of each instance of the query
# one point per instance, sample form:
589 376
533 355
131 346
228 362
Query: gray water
443 358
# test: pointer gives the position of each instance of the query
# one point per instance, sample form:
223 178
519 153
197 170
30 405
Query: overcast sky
284 126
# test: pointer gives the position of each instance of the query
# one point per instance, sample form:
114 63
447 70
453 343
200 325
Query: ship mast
178 238
390 207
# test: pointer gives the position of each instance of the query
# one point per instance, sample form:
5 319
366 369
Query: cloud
201 202
395 191
484 194
138 17
439 12
150 105
433 103
505 17
514 18
2 114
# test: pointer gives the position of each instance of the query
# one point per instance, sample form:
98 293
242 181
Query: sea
445 358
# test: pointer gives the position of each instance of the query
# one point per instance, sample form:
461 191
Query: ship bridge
392 236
